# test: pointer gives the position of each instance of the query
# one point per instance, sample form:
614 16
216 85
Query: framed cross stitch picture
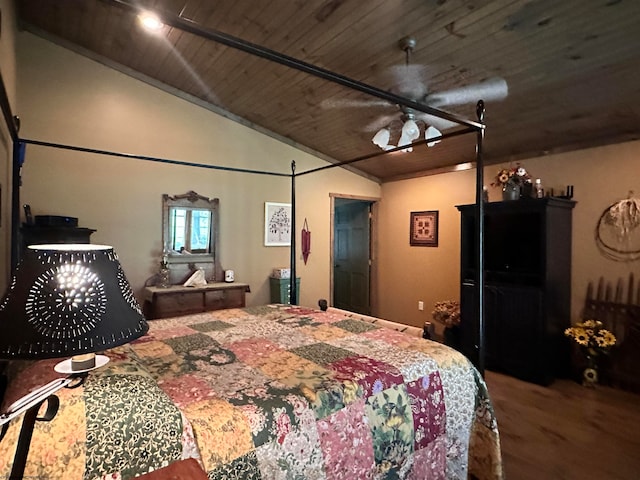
424 229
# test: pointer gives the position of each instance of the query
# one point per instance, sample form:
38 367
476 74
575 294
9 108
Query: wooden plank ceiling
571 68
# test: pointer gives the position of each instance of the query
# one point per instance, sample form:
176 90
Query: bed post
293 293
13 124
479 297
18 160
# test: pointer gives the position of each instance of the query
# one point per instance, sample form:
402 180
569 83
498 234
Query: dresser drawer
215 300
178 304
234 298
178 300
228 298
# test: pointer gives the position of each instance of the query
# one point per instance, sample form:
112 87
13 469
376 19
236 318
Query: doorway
353 266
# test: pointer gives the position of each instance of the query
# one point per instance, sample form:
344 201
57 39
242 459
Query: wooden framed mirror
190 233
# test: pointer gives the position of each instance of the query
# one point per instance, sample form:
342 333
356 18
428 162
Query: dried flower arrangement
447 313
516 175
624 215
618 230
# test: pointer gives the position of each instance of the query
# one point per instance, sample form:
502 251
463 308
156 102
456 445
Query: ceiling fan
407 122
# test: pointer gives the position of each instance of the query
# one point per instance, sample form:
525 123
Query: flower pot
590 373
590 377
163 277
510 191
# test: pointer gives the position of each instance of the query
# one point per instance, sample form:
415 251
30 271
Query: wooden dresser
177 300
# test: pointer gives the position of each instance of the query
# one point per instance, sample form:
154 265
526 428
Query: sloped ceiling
571 68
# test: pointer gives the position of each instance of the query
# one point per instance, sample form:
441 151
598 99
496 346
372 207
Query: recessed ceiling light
150 21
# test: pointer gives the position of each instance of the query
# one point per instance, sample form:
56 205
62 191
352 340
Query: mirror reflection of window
178 228
200 231
190 230
190 235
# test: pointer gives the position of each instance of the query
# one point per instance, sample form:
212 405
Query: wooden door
351 255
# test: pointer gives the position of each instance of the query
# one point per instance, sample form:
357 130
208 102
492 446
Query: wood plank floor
566 431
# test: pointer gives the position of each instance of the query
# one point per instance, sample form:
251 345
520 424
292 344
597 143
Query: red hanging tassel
306 241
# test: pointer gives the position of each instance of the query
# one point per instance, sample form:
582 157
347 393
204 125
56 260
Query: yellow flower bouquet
592 336
593 339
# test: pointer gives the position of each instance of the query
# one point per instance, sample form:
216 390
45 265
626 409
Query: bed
274 391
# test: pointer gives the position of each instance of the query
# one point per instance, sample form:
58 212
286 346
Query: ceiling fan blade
437 122
408 81
346 103
380 122
489 90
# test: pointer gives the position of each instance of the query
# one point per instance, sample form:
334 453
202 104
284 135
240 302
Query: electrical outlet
420 305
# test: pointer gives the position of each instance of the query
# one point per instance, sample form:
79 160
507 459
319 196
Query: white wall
68 99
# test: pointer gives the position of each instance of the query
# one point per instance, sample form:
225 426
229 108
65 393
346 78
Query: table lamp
64 300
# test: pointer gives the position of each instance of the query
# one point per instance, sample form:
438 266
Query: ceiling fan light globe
381 138
432 132
404 141
410 130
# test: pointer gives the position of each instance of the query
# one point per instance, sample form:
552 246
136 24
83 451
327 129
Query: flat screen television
513 248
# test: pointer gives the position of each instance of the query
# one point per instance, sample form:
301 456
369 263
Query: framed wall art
424 229
277 224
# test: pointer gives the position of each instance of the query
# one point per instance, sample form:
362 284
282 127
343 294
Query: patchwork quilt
271 392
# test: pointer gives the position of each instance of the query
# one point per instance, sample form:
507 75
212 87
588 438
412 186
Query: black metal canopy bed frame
468 126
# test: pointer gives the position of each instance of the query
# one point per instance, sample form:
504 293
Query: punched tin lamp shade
67 300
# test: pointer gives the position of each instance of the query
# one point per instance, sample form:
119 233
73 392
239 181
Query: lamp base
68 366
84 361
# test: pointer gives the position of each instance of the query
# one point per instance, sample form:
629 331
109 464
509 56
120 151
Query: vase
163 277
510 191
427 331
452 337
590 373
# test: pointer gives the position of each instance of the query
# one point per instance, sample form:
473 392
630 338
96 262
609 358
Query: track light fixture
150 21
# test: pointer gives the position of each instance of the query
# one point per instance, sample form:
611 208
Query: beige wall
65 98
68 99
601 176
8 69
411 274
